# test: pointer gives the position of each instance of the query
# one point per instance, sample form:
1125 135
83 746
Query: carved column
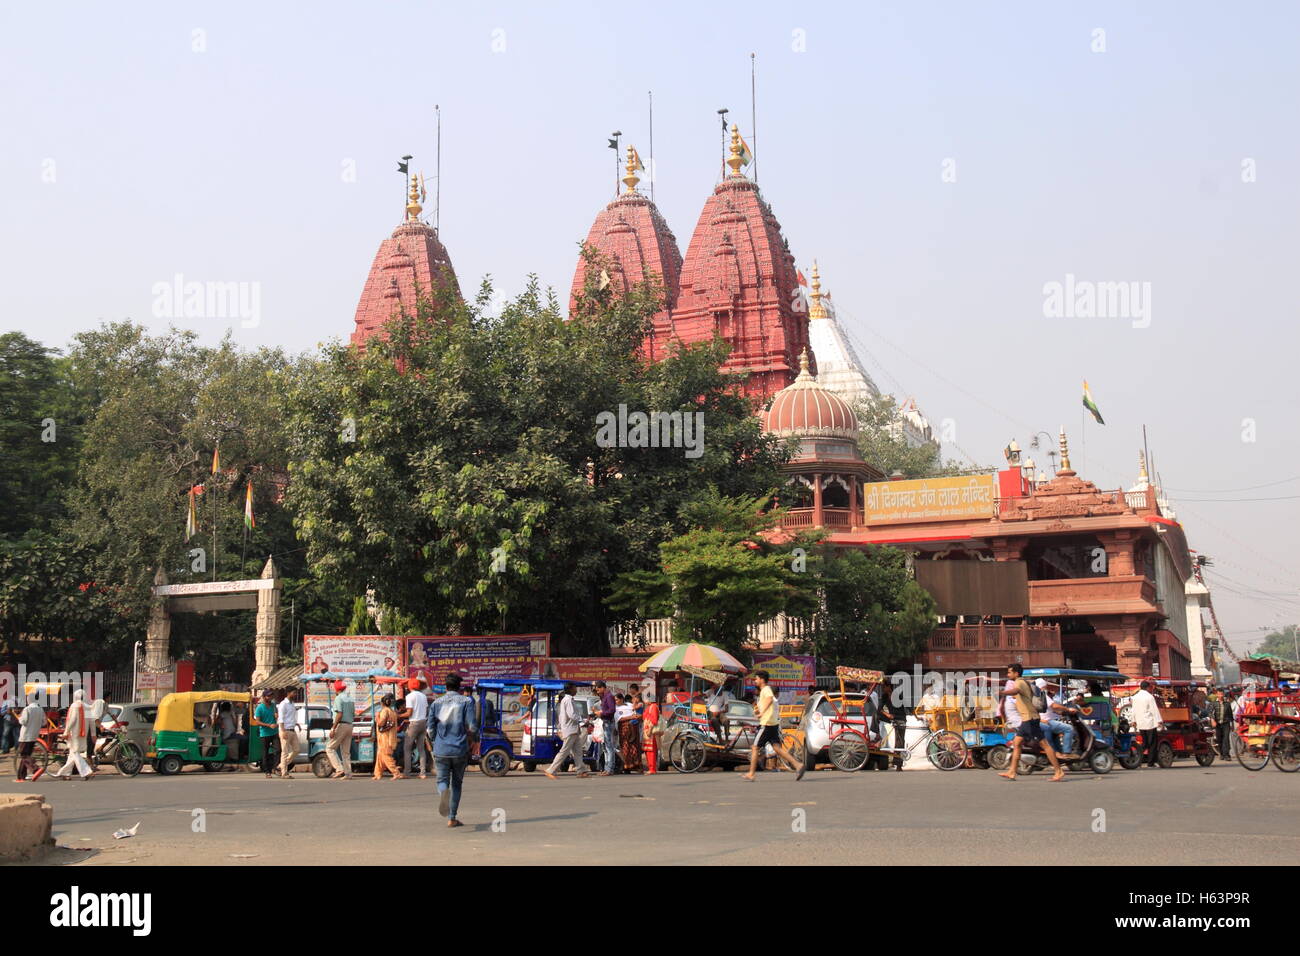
1008 549
1119 547
157 641
267 648
854 520
818 519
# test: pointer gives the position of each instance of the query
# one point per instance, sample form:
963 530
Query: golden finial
803 364
633 163
1065 455
735 160
1142 467
413 207
816 310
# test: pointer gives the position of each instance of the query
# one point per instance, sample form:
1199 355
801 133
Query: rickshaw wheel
530 766
946 750
1205 759
1253 757
1284 746
496 763
170 765
999 758
129 760
214 767
1131 760
688 754
1101 761
321 766
1165 756
849 751
41 754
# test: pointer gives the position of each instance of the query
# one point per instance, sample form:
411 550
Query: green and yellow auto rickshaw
188 729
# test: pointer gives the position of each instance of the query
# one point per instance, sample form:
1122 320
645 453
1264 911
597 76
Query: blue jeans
611 746
451 773
1065 730
8 736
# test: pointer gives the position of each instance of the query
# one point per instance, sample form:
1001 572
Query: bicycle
850 746
119 752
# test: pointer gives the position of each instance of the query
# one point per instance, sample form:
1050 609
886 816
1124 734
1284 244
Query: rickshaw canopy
176 711
1113 677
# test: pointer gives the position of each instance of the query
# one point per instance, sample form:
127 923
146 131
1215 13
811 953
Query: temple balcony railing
1112 594
996 637
653 635
836 518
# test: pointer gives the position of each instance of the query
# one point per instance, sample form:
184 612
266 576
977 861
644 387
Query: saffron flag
216 461
248 507
798 274
636 160
191 519
1090 405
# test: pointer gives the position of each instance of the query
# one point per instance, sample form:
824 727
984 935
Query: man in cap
339 748
415 710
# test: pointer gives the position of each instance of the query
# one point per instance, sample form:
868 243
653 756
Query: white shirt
718 702
1009 709
418 704
1145 711
30 723
568 719
286 714
624 710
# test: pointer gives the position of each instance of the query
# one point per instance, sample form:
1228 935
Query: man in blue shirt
451 724
264 720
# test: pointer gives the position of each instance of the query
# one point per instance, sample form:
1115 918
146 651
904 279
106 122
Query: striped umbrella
695 655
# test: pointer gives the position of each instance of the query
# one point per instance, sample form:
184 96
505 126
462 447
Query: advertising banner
613 670
792 674
352 658
433 658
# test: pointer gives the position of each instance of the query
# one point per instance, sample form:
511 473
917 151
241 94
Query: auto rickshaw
187 730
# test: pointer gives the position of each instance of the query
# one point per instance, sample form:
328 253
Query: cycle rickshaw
853 740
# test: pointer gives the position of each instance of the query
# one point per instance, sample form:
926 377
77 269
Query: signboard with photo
353 657
433 658
791 674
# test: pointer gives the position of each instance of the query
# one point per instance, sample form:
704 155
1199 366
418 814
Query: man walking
1145 713
287 713
896 713
339 749
30 723
1221 720
769 729
1030 728
264 720
608 728
570 731
415 709
75 732
454 731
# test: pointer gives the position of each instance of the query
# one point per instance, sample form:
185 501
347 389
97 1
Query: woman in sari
629 736
386 739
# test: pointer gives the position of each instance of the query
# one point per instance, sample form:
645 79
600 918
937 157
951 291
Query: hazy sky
1164 151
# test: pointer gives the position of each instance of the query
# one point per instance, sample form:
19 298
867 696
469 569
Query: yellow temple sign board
929 499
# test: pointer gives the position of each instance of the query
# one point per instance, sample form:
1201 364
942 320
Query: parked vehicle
186 731
1270 704
518 722
1186 732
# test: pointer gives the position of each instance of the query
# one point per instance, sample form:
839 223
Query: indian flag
191 519
636 160
746 155
249 523
1090 405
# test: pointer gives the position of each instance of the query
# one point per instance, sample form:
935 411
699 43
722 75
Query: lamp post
1051 447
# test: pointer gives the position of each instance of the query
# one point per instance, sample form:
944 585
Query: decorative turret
1065 468
631 233
411 263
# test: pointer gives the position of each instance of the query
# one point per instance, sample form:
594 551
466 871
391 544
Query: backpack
1040 701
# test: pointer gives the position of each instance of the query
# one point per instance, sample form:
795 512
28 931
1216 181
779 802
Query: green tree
875 615
39 436
723 575
883 445
453 467
1280 643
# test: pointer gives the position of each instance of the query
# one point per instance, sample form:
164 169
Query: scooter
1092 752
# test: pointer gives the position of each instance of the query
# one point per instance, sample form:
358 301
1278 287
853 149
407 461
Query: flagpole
437 179
650 94
753 113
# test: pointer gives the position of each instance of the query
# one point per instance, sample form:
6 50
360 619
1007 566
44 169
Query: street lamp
135 656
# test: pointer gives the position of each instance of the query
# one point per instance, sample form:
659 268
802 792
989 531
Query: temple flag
191 519
1090 405
248 507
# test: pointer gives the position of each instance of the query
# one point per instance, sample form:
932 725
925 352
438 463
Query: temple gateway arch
261 593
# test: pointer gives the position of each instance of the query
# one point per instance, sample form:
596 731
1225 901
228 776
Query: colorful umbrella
695 655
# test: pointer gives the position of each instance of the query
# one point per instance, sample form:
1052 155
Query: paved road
1184 815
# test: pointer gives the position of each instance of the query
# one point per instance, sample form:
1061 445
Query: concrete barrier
25 824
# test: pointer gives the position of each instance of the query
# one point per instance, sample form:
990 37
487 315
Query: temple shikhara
1045 570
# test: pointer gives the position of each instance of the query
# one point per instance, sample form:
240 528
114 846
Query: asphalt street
1223 815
